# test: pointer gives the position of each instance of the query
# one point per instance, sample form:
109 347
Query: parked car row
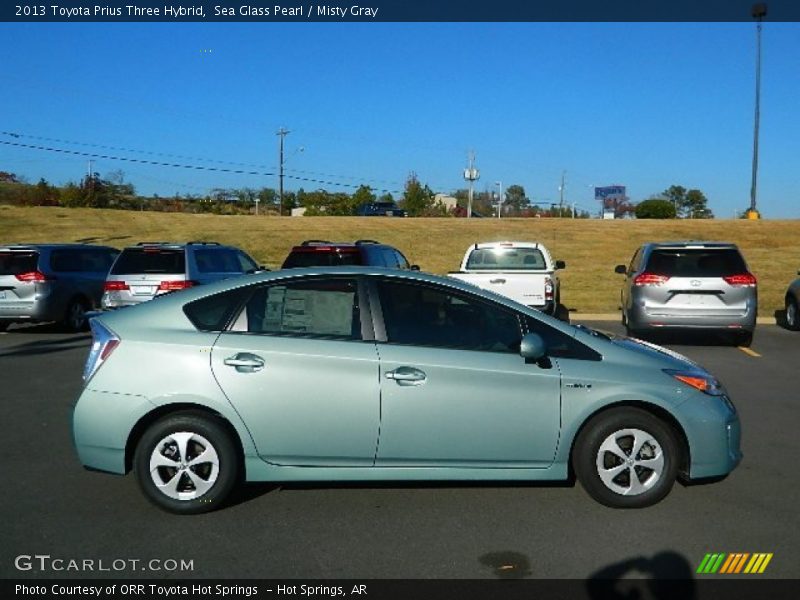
693 285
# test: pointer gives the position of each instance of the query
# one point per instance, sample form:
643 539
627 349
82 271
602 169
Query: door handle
245 362
497 281
407 376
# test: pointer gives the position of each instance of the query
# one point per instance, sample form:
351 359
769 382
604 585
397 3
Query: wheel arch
657 411
160 412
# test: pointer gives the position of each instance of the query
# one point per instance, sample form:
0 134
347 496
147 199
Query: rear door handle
407 376
497 281
245 362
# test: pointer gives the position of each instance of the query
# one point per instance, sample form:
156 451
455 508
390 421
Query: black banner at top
277 11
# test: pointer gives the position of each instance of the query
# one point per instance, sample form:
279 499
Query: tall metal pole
282 133
561 189
471 174
758 12
499 198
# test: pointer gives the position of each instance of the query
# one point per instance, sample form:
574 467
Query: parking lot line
750 352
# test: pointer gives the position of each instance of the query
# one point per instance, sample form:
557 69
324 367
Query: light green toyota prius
360 374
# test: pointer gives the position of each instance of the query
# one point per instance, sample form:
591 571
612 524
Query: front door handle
497 281
245 362
407 376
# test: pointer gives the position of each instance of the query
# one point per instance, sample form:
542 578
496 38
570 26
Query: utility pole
759 11
561 189
471 174
282 133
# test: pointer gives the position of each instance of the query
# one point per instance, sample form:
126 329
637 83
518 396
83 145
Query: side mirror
413 268
560 264
621 269
532 347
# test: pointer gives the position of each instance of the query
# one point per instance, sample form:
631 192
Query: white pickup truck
523 271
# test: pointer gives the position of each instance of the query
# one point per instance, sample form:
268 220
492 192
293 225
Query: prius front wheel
626 458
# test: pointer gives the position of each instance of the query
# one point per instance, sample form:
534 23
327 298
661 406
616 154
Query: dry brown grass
591 247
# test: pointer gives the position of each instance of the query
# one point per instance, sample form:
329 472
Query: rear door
300 368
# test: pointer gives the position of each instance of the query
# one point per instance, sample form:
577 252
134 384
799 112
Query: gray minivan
689 285
52 282
151 269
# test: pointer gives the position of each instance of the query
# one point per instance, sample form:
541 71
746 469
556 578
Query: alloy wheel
184 465
630 462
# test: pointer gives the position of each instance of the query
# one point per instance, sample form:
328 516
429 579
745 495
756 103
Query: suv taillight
33 277
115 286
174 286
650 279
741 280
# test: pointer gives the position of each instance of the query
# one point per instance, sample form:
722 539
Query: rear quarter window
214 313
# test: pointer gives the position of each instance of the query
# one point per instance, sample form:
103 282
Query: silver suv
150 269
692 285
52 282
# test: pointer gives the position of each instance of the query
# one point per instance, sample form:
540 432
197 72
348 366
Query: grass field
591 248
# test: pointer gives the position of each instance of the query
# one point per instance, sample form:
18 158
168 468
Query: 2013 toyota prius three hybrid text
362 373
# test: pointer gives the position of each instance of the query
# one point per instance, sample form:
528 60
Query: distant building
449 202
299 212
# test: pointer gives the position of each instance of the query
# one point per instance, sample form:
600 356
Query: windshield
506 259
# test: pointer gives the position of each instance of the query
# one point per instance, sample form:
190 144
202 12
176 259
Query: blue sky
639 104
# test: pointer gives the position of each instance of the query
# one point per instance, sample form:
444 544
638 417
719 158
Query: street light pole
759 11
499 198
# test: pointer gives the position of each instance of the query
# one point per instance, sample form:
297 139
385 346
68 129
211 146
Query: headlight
699 381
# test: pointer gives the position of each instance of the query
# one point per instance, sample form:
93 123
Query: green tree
363 195
655 208
416 197
696 205
516 201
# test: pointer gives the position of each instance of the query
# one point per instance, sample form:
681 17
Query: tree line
417 199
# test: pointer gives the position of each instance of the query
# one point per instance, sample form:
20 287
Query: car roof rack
359 242
155 243
311 242
203 243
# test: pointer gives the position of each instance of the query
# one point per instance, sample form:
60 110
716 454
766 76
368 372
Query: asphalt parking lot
52 506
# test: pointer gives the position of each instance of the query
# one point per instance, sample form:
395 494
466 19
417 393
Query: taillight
105 342
33 277
173 286
548 289
115 286
650 279
741 280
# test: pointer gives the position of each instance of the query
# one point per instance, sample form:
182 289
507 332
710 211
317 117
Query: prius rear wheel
186 463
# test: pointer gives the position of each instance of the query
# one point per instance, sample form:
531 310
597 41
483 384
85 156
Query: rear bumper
40 309
644 318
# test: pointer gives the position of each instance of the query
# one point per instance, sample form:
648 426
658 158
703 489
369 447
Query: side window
66 261
213 313
389 258
425 315
319 308
402 262
637 258
245 262
560 344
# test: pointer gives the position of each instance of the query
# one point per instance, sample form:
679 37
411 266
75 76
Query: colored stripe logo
734 563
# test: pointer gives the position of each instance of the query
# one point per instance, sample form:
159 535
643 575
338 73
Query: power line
181 166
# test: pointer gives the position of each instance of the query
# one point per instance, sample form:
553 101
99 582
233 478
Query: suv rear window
150 260
690 262
327 257
14 263
507 259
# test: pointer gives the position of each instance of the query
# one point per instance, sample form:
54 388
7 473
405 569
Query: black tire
792 314
744 339
615 427
4 325
201 433
75 316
